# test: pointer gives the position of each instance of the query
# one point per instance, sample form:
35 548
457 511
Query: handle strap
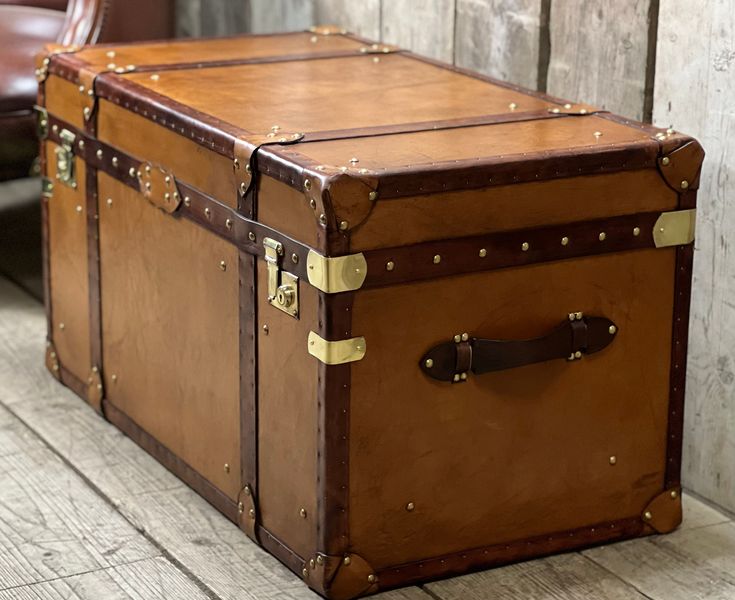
572 339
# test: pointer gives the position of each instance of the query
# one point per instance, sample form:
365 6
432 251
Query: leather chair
27 25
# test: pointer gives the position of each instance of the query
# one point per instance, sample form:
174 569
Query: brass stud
236 162
87 112
295 258
346 561
429 363
597 134
525 246
343 225
602 236
266 330
227 468
571 316
187 201
81 144
410 506
132 172
148 169
304 572
302 513
222 265
148 185
99 154
323 219
371 578
275 128
372 196
457 339
208 213
674 494
613 460
228 223
114 378
612 329
465 337
578 316
564 241
437 259
512 106
115 161
463 376
312 563
665 161
307 184
456 377
247 490
62 326
483 253
240 508
251 236
155 77
110 54
567 106
556 111
109 202
243 188
320 560
684 184
390 265
312 203
636 231
167 196
248 169
79 208
167 179
577 354
647 515
583 111
82 89
354 160
251 513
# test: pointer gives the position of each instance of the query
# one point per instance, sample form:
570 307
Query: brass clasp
283 287
65 170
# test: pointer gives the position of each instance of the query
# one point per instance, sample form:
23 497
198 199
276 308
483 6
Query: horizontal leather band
574 338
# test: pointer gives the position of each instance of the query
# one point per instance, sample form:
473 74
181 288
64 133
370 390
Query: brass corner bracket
336 353
336 274
675 228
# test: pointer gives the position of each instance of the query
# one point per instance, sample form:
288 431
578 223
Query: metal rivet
556 111
312 203
564 241
390 265
597 134
346 560
115 161
247 490
320 560
251 236
674 494
524 246
111 54
187 201
636 231
114 378
148 169
372 196
512 106
567 106
457 339
79 208
240 507
243 188
155 77
602 236
343 225
167 179
223 265
87 112
275 128
167 196
578 316
208 213
302 513
236 162
227 468
323 219
81 144
295 258
465 337
82 89
612 329
410 506
248 169
437 259
132 172
463 376
99 154
371 578
228 223
583 111
684 184
251 513
109 202
660 136
307 184
62 326
665 161
483 253
613 460
647 515
429 363
305 573
266 330
148 185
312 563
354 160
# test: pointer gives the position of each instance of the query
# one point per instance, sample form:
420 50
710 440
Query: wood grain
599 53
269 16
499 38
362 18
424 26
695 86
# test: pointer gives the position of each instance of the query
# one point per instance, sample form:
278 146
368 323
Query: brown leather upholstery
24 31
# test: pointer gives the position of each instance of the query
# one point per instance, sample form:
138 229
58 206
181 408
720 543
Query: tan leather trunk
394 319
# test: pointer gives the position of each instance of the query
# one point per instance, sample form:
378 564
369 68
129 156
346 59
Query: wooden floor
86 515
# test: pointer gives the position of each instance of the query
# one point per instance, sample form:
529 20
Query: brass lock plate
65 167
283 287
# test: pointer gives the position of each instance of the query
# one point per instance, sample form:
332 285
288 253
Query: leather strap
575 337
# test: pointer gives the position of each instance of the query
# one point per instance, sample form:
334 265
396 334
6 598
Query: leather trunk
395 319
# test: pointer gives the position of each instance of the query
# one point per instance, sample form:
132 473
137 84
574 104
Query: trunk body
396 320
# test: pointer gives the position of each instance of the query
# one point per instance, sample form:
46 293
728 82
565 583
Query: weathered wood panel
599 53
695 93
269 16
362 18
499 38
424 26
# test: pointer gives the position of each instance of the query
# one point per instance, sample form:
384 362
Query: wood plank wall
672 61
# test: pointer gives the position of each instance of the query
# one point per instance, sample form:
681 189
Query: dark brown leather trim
576 336
171 461
45 262
93 266
680 340
335 319
500 554
509 249
73 382
663 513
681 168
280 550
248 371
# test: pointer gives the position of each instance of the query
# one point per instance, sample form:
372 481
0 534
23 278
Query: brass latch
65 171
283 287
41 122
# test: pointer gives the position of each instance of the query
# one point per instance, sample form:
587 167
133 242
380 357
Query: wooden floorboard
86 514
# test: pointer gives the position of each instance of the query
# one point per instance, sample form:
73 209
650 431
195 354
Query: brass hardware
390 265
79 208
62 326
304 572
556 111
251 513
266 331
227 468
109 202
312 563
437 259
354 160
647 515
339 273
222 265
312 203
575 316
87 112
336 353
319 559
346 561
132 172
465 337
525 246
243 188
114 378
613 460
567 106
295 258
247 490
302 513
512 106
187 201
483 253
371 578
373 196
457 339
343 225
81 142
65 167
236 162
208 213
665 161
251 236
429 363
228 223
410 506
674 494
323 219
41 122
115 161
99 154
47 187
283 287
597 134
463 376
612 329
684 184
602 236
564 241
636 231
307 184
577 354
675 228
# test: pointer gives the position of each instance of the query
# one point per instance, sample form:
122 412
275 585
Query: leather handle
576 336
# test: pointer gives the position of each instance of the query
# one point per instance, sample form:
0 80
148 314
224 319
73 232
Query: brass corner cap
337 274
675 228
336 353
